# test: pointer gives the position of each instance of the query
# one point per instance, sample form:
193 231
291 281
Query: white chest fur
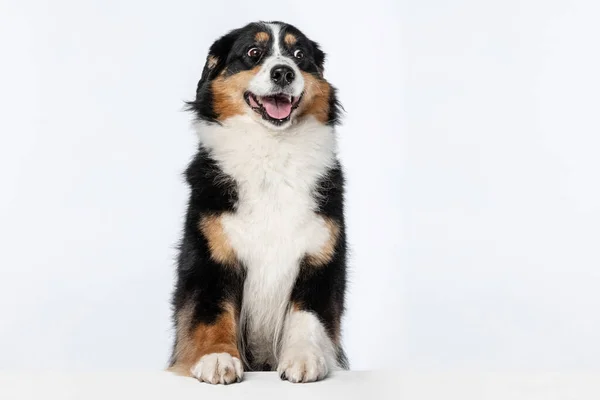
274 225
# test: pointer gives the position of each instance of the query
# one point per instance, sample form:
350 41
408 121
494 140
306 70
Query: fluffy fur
262 262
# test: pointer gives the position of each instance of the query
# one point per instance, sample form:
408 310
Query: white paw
304 363
218 368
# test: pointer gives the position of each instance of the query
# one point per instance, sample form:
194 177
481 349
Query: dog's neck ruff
241 142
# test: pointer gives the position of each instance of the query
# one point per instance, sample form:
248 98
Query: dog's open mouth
275 108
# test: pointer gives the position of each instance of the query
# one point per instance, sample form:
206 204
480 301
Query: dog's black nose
282 75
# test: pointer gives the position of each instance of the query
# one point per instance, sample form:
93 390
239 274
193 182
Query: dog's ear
319 56
217 58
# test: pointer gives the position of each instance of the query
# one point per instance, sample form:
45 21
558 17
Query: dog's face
269 71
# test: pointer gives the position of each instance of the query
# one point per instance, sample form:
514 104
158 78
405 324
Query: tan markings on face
261 37
326 252
316 98
221 251
212 62
193 342
228 93
290 39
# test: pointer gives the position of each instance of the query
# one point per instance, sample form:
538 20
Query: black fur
207 284
322 289
201 280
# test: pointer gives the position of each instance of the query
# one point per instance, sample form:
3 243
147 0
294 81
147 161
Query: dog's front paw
218 368
304 363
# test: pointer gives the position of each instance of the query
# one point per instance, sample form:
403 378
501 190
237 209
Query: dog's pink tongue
277 108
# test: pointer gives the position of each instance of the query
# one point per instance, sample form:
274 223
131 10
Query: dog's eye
254 53
299 54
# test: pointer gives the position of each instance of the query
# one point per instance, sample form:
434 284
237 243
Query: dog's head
269 71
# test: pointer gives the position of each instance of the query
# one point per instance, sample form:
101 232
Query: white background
470 144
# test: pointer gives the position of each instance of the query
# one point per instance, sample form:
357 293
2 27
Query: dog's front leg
207 302
310 345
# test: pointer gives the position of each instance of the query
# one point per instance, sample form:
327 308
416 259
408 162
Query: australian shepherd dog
261 274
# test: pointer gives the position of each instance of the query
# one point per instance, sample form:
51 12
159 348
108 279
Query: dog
261 267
